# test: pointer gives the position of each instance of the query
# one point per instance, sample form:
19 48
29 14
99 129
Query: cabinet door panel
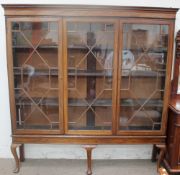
36 71
90 62
143 75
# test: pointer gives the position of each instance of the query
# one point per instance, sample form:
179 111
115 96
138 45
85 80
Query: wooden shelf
85 73
78 47
45 102
36 72
137 74
153 50
108 102
17 71
134 128
83 103
45 126
86 128
55 47
39 47
142 73
81 47
54 102
74 127
138 102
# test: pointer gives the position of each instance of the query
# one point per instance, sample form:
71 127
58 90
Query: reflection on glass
143 76
90 66
35 60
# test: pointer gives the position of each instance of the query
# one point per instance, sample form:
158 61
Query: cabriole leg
89 149
21 153
14 152
162 148
154 153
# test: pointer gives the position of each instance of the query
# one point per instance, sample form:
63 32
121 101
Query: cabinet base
88 149
89 143
89 140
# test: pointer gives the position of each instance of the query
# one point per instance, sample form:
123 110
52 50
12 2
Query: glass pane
35 60
90 67
143 76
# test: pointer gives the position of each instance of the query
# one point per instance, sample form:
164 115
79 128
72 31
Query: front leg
14 152
162 148
89 149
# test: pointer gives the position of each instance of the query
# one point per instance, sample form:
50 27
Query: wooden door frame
144 21
114 85
15 130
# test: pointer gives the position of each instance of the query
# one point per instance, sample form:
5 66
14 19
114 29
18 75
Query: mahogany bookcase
88 75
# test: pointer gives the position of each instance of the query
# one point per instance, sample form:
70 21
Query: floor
78 167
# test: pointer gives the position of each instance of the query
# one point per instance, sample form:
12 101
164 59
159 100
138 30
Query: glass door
91 63
36 62
143 76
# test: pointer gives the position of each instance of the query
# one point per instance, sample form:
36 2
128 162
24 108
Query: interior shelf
54 102
36 72
96 48
142 73
83 103
139 128
39 47
84 73
150 50
44 102
43 126
79 102
138 102
75 127
81 47
17 71
76 47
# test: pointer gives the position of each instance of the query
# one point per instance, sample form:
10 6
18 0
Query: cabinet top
88 10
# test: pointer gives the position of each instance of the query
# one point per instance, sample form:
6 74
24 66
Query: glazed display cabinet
88 74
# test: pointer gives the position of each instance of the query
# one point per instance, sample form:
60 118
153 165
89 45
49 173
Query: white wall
68 151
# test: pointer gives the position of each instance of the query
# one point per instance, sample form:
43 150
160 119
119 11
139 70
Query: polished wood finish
50 121
14 147
89 149
82 10
80 139
172 155
175 104
176 66
172 158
